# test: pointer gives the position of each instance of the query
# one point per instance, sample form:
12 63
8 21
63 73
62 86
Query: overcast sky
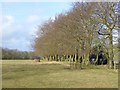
20 21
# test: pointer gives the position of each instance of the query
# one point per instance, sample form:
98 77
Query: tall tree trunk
111 54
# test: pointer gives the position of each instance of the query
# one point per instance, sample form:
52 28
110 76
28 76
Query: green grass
29 74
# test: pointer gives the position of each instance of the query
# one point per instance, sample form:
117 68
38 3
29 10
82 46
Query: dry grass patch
24 74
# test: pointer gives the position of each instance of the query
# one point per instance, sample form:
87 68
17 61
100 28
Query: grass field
30 74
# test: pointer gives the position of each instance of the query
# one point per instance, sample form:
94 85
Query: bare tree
73 33
107 18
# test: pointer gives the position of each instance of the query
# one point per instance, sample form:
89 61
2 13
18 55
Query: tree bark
111 54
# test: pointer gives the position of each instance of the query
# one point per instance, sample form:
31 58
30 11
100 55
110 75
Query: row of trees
74 33
15 54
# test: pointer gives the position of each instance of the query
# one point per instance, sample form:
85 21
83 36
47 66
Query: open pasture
44 74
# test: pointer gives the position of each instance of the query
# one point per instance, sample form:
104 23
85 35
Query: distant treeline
16 54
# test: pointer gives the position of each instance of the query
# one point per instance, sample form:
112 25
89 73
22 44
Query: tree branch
102 33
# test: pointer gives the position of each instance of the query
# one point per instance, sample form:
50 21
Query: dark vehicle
92 58
102 60
37 58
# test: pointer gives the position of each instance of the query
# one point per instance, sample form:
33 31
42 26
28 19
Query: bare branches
102 33
75 31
